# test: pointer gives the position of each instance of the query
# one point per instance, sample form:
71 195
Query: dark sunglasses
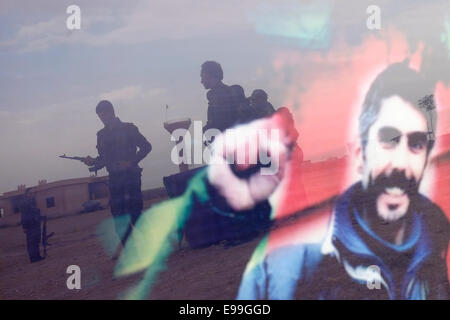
417 141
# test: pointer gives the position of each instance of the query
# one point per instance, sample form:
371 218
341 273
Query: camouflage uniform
115 143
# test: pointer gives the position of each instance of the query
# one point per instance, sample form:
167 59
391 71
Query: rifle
91 169
45 236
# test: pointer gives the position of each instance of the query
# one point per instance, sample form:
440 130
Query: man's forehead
401 115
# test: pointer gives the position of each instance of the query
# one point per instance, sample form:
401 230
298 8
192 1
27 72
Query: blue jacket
345 266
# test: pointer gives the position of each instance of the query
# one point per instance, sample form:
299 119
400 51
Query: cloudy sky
142 55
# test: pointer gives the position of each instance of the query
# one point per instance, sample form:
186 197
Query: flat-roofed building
63 197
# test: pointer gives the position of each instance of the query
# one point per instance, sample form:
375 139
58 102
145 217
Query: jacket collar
342 233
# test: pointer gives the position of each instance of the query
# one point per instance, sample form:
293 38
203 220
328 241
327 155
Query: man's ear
359 154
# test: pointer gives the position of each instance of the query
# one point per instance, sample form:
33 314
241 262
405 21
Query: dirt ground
210 273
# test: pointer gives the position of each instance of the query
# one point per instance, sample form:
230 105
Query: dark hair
104 106
397 80
259 93
213 69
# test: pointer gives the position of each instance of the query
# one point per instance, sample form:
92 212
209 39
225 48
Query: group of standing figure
228 105
121 147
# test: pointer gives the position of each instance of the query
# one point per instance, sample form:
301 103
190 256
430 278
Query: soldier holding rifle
117 144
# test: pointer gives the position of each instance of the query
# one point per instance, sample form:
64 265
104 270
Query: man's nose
401 157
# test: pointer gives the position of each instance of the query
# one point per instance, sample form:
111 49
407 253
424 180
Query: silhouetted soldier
117 145
223 110
261 108
31 224
243 105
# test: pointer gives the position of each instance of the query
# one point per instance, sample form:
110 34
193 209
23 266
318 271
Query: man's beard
397 179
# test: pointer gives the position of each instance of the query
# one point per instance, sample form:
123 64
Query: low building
63 197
